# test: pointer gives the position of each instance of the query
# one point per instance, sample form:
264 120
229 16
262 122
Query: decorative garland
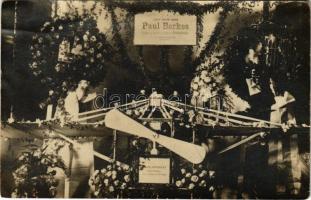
121 48
181 8
214 37
122 57
142 66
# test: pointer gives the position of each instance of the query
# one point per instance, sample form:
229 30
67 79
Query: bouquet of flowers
109 181
208 80
195 178
34 175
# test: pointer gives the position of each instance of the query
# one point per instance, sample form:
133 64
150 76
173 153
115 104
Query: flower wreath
65 46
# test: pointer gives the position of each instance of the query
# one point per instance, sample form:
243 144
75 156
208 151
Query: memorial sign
154 170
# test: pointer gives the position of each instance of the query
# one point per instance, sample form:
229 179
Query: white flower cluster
89 47
195 178
107 181
208 81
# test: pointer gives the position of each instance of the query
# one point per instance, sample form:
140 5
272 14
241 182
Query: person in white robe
74 97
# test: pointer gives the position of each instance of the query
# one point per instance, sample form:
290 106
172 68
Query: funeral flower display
110 181
68 49
194 178
34 174
208 83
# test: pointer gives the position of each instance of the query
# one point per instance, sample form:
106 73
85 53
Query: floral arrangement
110 181
34 175
68 49
209 82
195 178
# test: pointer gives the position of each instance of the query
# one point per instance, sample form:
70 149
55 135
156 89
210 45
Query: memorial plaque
154 170
164 28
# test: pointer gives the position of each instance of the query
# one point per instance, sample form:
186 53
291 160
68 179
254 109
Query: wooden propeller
117 120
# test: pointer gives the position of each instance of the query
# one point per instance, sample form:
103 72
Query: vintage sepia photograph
155 99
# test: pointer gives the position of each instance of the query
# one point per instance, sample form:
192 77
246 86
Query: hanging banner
165 28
